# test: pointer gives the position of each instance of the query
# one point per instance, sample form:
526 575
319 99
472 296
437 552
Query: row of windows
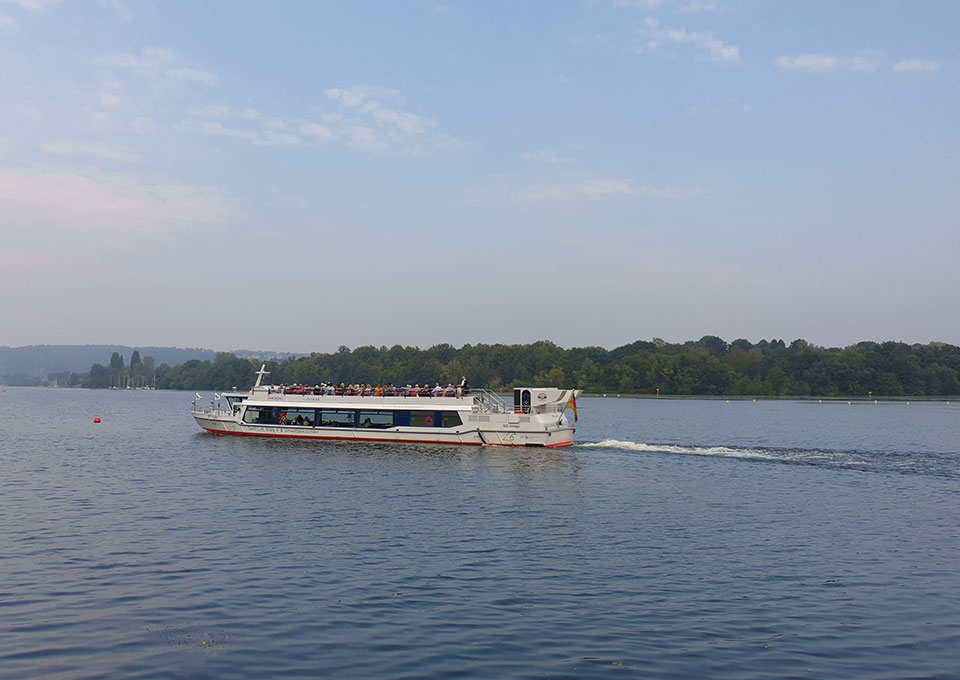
363 418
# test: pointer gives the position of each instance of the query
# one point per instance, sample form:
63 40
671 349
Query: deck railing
484 401
487 402
210 409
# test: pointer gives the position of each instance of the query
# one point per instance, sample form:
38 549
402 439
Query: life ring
428 421
283 418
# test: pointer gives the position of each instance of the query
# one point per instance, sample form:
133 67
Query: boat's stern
538 418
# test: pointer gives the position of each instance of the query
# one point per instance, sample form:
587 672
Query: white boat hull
478 417
488 435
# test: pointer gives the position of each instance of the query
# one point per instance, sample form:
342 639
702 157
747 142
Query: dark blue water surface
680 539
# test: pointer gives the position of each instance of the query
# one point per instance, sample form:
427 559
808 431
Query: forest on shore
708 366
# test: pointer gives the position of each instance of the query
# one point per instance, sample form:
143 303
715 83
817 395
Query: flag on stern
573 404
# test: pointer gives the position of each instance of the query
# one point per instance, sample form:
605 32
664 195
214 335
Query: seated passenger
437 390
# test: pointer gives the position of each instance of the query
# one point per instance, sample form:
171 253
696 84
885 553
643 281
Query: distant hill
40 360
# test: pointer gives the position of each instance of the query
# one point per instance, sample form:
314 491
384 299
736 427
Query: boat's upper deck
480 400
526 400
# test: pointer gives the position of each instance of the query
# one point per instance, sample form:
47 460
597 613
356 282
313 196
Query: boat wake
720 451
868 461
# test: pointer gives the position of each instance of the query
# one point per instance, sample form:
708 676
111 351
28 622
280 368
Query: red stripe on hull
376 439
346 439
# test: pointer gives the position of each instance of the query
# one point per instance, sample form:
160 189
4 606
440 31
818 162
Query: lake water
678 539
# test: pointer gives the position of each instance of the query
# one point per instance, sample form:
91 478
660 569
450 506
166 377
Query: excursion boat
536 418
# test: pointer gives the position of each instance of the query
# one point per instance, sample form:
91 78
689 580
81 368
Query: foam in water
843 459
723 451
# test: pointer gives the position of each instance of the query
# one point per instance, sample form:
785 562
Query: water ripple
143 549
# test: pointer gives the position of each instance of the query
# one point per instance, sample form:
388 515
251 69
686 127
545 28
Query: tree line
709 366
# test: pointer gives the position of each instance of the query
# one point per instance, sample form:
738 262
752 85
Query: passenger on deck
437 390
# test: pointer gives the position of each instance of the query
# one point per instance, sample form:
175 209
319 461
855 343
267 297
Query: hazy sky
300 175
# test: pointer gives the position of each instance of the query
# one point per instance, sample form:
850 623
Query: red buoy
96 420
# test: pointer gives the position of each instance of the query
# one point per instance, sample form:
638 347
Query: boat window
451 419
423 419
233 401
377 419
295 416
525 401
261 415
337 418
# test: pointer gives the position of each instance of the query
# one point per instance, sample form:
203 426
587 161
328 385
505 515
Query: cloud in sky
141 125
261 137
122 9
362 121
698 6
916 66
692 7
75 200
863 62
157 61
191 75
110 94
643 4
362 97
107 152
369 125
364 138
317 132
223 111
720 107
33 5
546 156
599 189
8 24
710 47
572 189
246 124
